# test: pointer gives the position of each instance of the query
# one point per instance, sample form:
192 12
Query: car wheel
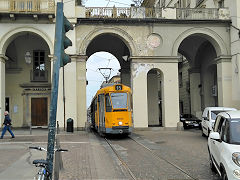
224 175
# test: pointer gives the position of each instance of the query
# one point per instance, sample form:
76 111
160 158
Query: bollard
69 125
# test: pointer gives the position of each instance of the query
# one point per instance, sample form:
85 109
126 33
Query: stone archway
8 37
206 33
24 80
119 33
200 47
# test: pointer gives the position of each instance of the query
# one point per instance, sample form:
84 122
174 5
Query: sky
101 59
108 3
94 76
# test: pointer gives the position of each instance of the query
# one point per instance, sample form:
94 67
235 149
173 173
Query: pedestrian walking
7 125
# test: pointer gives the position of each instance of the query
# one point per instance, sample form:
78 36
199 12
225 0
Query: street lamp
28 57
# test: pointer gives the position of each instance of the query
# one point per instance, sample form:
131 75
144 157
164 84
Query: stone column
168 68
139 94
170 94
2 86
125 77
224 76
195 91
81 91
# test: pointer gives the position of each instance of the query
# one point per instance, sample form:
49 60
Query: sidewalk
16 157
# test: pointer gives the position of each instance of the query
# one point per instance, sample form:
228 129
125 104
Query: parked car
209 116
224 145
190 120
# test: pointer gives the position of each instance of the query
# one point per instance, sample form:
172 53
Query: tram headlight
120 123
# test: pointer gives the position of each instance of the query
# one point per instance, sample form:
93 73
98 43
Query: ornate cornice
78 58
3 58
223 58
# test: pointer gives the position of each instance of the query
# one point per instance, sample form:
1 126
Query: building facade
185 70
171 50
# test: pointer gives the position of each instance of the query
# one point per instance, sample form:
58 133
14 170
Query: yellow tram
111 110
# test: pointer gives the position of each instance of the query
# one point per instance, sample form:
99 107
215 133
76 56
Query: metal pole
64 103
54 93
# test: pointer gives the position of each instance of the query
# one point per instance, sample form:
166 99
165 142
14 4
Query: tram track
161 158
121 160
149 150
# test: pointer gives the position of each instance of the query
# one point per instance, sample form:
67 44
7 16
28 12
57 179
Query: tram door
101 112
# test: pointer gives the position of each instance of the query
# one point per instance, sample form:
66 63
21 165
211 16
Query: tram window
108 103
95 104
119 100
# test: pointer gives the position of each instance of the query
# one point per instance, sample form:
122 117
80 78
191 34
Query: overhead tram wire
107 4
102 57
117 2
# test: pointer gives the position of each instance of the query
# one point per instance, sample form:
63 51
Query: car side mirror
215 136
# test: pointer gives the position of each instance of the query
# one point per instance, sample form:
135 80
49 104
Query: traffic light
66 42
61 40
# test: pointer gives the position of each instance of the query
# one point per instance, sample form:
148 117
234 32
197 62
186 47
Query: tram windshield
119 100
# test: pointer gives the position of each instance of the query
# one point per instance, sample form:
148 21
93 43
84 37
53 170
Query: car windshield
235 131
119 100
214 114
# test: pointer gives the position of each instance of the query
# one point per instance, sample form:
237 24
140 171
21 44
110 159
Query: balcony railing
133 12
27 6
162 13
197 13
38 75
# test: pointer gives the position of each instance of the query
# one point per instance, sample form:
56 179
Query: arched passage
27 77
154 96
11 35
198 79
113 44
97 76
202 33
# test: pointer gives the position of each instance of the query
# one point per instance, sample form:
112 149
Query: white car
209 116
224 145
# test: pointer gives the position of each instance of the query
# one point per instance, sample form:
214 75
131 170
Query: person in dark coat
7 125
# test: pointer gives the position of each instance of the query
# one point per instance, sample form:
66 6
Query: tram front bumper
119 130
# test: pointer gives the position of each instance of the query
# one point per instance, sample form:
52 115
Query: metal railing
38 76
133 12
27 6
142 12
197 13
102 12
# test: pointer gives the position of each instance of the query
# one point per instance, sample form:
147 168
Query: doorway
39 111
7 104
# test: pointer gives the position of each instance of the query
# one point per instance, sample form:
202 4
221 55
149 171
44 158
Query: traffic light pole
54 96
59 60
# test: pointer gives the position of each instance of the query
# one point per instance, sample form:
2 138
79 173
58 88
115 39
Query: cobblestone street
149 154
